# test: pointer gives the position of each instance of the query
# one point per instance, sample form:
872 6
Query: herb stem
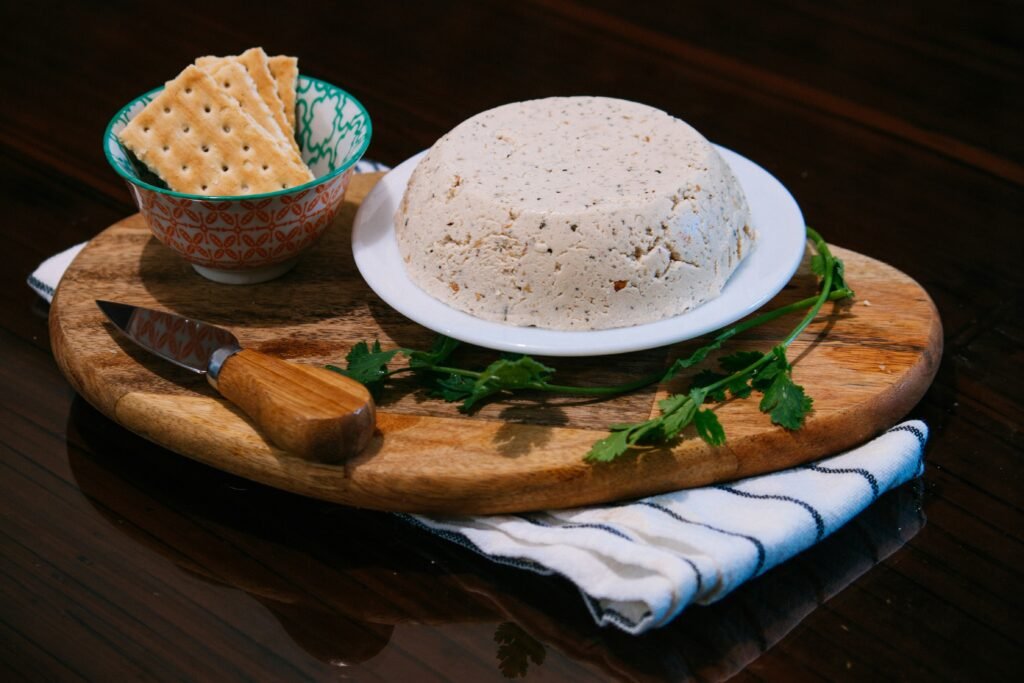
513 374
654 378
726 334
778 313
472 374
826 286
601 391
816 302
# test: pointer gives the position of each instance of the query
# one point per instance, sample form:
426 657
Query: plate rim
367 244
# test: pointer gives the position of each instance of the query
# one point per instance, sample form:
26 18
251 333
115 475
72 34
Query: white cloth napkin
44 279
639 564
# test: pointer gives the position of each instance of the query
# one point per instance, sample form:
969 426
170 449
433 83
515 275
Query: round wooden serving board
865 364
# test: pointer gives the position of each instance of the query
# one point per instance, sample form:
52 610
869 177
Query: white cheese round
573 213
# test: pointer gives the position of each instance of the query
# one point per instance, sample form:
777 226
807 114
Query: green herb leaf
515 373
507 374
449 387
708 427
677 412
697 356
704 379
786 402
739 387
766 374
610 447
367 365
839 275
740 360
822 261
476 396
441 348
818 265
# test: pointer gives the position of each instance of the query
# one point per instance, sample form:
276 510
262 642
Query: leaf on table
819 267
367 365
740 360
440 349
507 374
449 387
704 379
697 356
515 373
610 447
708 427
786 402
677 412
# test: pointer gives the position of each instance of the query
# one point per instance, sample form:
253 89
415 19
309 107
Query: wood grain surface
895 125
866 363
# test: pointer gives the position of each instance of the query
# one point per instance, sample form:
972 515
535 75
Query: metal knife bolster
217 360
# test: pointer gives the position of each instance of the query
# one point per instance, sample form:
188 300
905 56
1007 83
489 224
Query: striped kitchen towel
639 564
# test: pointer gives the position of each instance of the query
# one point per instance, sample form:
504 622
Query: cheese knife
310 412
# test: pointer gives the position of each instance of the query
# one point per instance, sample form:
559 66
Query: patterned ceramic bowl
243 240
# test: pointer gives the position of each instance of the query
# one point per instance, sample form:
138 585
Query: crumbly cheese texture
573 213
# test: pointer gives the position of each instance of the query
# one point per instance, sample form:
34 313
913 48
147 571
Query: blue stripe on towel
921 438
849 470
757 544
819 522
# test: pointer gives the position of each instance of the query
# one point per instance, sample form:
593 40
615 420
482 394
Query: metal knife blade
308 411
183 341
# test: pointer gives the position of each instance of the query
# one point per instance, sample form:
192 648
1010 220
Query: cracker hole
204 188
244 186
245 148
188 91
227 84
166 148
184 167
265 167
206 148
227 128
184 129
224 168
284 186
167 110
145 129
206 108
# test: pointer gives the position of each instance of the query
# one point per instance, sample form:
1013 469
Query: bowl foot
249 276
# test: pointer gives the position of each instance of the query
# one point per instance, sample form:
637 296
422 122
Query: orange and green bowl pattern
254 238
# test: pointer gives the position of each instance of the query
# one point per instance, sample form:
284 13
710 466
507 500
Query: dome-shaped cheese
573 213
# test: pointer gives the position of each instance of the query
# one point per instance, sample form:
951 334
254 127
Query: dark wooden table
897 128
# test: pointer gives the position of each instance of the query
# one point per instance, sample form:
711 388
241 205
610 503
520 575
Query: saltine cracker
255 62
199 141
285 70
236 81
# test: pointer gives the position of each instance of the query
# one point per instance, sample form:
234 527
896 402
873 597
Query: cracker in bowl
236 81
285 70
199 140
257 64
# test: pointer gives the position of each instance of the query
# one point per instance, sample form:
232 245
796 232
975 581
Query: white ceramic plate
779 249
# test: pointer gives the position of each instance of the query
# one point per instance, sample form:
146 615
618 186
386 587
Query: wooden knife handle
310 412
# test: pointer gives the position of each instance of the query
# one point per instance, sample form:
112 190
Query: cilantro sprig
743 373
771 374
